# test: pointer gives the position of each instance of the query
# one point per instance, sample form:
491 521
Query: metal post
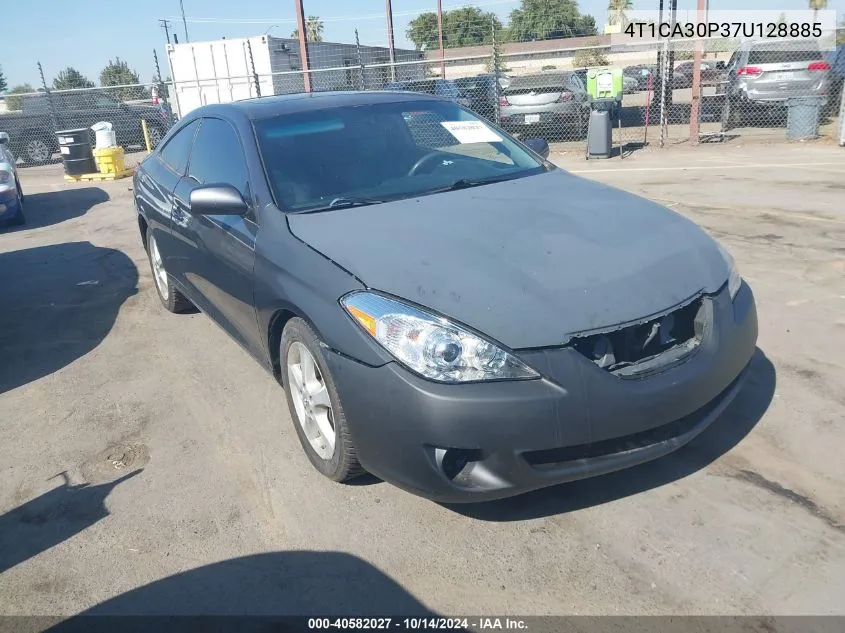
173 79
214 72
252 66
165 103
228 74
664 57
695 108
389 10
184 22
303 45
497 107
440 39
197 76
53 116
363 82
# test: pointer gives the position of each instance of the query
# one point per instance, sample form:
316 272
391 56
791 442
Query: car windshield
384 151
781 54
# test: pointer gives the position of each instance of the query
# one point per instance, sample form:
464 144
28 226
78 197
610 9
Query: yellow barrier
110 160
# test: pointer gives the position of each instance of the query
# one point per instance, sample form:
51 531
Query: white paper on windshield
471 132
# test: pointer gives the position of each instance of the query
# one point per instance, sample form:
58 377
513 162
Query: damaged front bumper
473 442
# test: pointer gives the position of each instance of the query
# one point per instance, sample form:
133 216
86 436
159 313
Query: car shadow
53 207
254 591
51 518
727 431
59 302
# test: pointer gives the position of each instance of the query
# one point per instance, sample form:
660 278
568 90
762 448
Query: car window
576 84
217 156
783 55
384 151
104 101
446 88
175 153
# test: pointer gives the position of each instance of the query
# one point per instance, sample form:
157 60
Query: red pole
695 109
647 106
303 45
440 38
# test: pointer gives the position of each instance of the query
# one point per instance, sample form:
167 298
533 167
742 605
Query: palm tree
816 6
616 11
313 29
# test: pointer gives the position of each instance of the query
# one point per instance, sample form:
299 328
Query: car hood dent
529 262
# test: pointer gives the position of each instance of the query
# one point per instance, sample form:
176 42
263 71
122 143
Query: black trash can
77 153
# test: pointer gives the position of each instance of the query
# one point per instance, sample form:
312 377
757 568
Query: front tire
315 405
172 300
37 151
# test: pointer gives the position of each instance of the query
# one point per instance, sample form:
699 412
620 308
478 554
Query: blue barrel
802 119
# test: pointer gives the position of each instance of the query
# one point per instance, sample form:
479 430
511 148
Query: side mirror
217 200
539 145
4 138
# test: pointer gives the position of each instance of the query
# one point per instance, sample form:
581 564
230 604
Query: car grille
556 457
630 345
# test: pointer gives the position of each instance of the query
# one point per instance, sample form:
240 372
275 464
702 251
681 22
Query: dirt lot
137 445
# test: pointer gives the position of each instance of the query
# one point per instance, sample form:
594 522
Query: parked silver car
766 74
551 102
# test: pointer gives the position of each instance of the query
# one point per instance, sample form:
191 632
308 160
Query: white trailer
226 70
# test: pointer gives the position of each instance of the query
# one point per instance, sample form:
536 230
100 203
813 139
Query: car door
214 255
155 182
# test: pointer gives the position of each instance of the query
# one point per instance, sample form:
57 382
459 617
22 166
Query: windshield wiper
466 183
343 203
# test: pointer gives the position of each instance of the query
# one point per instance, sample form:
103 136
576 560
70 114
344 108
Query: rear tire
314 404
171 298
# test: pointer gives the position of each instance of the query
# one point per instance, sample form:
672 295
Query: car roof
263 107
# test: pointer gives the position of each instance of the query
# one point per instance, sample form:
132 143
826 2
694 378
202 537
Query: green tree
468 26
71 78
313 29
782 18
3 84
616 11
14 103
118 73
549 19
590 57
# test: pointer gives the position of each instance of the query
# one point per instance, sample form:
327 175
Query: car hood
529 262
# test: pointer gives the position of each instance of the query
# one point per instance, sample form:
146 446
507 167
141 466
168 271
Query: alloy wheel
37 151
311 400
159 272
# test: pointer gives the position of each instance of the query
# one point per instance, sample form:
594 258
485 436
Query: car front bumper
515 436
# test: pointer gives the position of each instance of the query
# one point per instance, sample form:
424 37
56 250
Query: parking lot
140 446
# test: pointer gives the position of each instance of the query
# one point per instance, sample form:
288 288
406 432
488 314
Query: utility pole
165 24
303 45
695 108
389 10
440 38
184 22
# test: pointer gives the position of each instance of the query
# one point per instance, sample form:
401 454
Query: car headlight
734 280
431 345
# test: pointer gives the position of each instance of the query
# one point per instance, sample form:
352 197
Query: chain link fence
532 88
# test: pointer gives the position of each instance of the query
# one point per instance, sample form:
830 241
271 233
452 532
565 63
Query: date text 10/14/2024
418 624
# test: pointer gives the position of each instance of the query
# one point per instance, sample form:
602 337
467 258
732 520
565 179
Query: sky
81 34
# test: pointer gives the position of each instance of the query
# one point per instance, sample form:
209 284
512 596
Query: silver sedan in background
549 104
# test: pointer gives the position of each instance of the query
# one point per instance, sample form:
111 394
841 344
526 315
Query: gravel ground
143 453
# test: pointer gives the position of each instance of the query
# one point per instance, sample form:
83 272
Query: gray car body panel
529 262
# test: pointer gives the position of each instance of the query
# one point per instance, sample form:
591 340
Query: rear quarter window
783 55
